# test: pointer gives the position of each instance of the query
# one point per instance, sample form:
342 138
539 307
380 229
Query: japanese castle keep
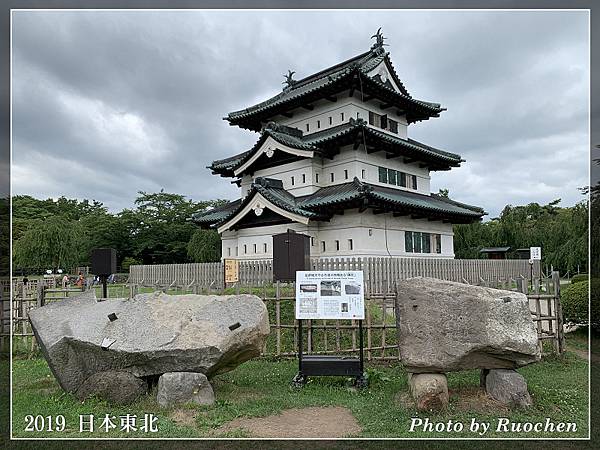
334 161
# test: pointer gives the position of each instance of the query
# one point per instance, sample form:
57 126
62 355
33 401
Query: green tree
561 232
160 228
205 246
51 243
128 261
101 229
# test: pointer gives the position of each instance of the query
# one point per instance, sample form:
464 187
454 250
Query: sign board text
330 294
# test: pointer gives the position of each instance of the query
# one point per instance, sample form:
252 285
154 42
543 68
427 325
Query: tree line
52 234
157 230
562 232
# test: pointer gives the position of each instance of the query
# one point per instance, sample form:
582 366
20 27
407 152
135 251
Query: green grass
261 387
578 339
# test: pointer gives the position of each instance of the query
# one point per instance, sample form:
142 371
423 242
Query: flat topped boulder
445 326
149 335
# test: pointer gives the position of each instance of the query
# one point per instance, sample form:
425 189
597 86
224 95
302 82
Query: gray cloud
109 103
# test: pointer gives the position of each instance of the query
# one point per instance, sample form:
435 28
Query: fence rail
380 273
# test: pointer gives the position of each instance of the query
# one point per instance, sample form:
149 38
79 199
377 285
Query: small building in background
495 252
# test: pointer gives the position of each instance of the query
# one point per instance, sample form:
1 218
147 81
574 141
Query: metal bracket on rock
106 343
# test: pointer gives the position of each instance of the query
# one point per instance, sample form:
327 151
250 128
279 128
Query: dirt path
584 354
329 422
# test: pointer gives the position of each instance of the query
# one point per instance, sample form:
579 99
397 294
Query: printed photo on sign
308 305
331 288
352 288
308 288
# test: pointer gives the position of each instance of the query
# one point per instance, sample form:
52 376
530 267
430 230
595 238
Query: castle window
419 242
350 244
345 174
330 120
245 249
265 247
292 181
236 251
318 124
414 181
312 241
332 176
383 173
342 114
392 176
408 241
322 246
317 177
303 178
383 122
254 248
426 242
307 127
363 174
228 251
337 245
437 243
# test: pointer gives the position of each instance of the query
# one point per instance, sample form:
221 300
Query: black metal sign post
330 365
103 280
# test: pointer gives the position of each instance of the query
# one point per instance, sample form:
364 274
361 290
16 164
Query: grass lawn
261 387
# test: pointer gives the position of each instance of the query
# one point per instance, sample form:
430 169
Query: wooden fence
25 297
322 336
380 274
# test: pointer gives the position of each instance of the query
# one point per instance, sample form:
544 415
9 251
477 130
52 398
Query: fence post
558 311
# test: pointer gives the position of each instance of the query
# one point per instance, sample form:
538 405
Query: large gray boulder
184 387
445 326
430 390
149 335
113 386
508 387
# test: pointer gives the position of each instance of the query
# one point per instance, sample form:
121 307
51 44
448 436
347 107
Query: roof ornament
258 209
378 40
289 81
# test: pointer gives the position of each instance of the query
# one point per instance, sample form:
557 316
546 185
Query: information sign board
330 295
535 253
232 270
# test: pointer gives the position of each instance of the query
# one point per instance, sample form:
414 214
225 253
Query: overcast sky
106 104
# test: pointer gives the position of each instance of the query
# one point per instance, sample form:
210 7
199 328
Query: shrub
574 300
129 261
580 277
595 304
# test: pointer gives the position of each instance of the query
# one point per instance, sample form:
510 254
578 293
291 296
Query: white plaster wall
372 235
296 169
345 166
318 118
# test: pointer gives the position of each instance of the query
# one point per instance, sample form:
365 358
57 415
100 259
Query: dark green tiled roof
231 162
424 202
320 204
273 191
326 80
344 193
313 142
217 214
